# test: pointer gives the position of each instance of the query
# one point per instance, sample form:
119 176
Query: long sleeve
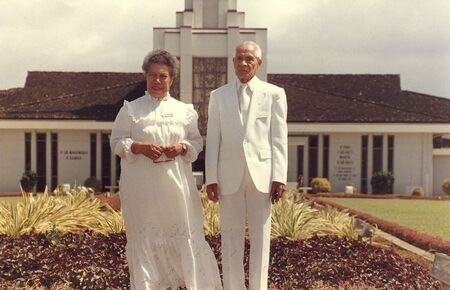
279 137
212 142
121 139
193 141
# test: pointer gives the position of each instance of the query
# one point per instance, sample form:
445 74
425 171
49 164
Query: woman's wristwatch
183 148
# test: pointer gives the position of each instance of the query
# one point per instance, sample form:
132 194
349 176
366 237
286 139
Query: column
306 164
369 161
98 163
232 4
261 39
320 155
48 160
427 163
186 64
113 170
198 13
233 41
33 151
223 13
385 152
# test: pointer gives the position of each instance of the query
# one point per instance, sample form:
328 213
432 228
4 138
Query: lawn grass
428 216
13 199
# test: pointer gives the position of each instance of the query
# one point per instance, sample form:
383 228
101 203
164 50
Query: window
118 168
313 156
93 156
364 143
441 141
106 161
326 155
377 153
41 161
27 151
207 75
300 169
390 165
54 153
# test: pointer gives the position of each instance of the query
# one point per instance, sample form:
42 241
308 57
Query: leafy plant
382 182
71 213
297 220
28 181
418 191
337 223
211 218
293 220
53 236
320 184
94 183
446 186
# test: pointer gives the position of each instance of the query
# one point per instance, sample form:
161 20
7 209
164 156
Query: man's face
158 80
246 63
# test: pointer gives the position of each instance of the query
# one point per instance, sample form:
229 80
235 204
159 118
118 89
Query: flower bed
94 261
379 196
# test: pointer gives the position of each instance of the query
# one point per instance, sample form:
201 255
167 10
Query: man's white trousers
252 205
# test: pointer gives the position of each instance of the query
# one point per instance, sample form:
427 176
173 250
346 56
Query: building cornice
55 125
300 128
293 128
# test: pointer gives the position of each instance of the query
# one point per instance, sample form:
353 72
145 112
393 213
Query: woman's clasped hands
154 151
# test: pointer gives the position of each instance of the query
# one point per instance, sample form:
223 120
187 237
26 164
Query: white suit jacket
262 145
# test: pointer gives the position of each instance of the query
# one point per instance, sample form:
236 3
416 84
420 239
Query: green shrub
382 182
446 186
94 183
320 184
28 181
418 191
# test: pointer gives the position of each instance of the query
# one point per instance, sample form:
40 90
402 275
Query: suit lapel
256 104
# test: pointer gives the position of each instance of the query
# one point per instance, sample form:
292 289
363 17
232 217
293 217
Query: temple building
344 127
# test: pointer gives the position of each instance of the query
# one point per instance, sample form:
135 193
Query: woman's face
158 80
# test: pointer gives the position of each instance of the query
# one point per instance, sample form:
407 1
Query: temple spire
210 14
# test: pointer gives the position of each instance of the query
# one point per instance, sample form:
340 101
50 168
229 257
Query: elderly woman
157 139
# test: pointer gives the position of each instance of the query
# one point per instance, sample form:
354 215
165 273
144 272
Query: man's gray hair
161 56
258 52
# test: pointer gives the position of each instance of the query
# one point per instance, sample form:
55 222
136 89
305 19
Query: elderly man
246 164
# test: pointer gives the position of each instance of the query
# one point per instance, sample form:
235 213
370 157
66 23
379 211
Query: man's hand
172 151
277 190
151 151
213 192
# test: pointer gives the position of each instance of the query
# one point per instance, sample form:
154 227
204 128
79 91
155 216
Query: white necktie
244 101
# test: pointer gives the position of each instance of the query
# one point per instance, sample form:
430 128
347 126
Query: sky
406 37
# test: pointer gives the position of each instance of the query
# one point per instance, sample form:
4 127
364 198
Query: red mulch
94 261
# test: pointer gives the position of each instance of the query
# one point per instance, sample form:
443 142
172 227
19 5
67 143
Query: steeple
210 14
204 38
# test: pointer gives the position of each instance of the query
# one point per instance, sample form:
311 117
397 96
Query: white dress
161 206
